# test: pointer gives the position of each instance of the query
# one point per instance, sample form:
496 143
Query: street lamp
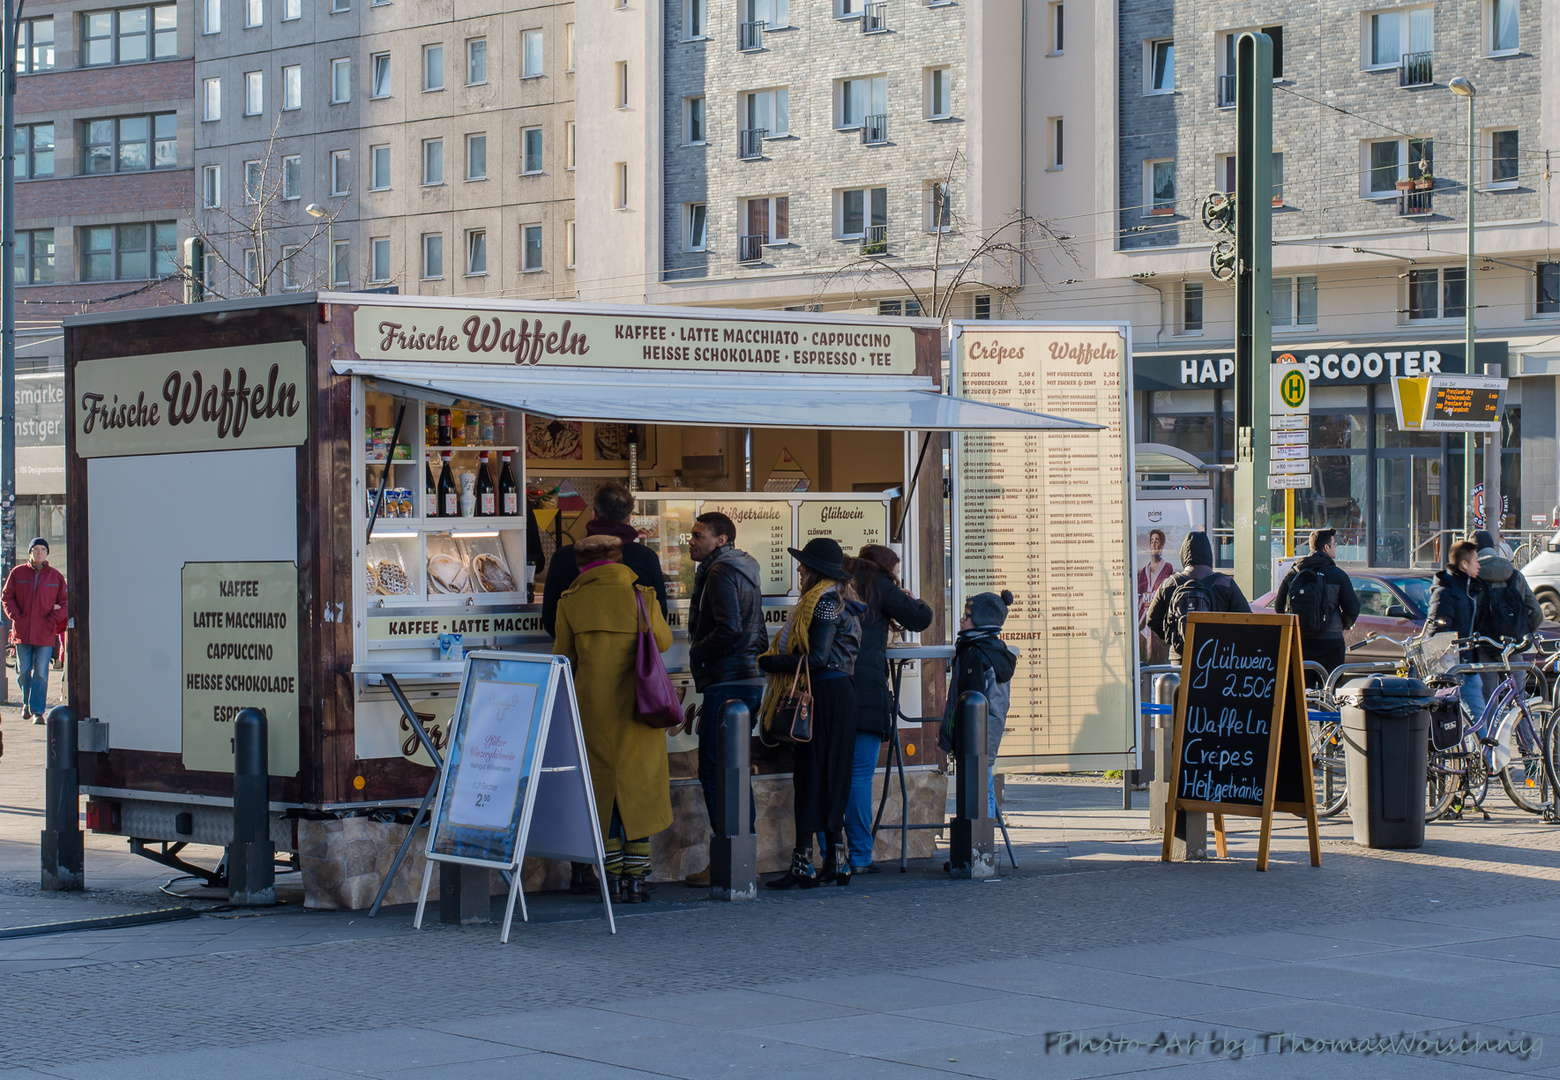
1464 89
316 211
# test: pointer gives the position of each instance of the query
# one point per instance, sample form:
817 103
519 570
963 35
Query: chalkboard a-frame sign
1242 743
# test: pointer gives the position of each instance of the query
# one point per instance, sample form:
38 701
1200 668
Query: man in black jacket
725 635
1335 607
1199 587
614 505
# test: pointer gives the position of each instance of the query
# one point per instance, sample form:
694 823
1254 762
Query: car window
1375 597
1417 589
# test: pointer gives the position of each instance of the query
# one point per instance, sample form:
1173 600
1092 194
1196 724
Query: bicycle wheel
1521 775
1443 780
1327 768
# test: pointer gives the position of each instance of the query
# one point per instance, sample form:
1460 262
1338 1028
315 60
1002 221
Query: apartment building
745 151
373 144
1370 162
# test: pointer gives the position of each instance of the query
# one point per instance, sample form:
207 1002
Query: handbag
655 699
793 718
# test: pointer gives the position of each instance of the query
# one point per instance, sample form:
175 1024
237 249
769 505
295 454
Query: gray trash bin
1386 731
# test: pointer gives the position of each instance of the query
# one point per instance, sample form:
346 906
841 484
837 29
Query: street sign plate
1279 483
1290 453
1292 423
1291 438
1299 465
1289 390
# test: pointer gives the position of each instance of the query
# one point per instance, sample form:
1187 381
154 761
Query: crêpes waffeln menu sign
1044 513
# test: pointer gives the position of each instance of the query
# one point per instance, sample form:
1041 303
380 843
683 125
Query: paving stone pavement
1183 968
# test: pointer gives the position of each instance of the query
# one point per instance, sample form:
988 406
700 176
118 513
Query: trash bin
1386 732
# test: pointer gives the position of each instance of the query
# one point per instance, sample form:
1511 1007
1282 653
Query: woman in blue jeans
889 608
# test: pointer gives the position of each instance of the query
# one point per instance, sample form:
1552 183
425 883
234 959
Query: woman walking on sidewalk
34 602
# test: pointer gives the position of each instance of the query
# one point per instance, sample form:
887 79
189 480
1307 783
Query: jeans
1473 695
32 675
709 740
858 811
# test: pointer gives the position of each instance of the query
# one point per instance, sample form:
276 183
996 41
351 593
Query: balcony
1226 91
750 36
750 143
1415 203
750 249
874 129
875 240
874 17
1415 69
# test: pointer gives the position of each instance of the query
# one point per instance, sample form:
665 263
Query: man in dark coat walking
1340 607
1219 592
614 505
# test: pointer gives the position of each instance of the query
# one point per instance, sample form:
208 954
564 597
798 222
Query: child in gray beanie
983 663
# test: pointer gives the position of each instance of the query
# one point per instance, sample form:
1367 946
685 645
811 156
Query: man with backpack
1322 598
1199 587
1510 609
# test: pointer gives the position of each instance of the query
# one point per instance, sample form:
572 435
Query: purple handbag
655 699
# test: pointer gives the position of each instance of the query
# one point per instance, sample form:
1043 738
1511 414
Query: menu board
764 532
486 786
1044 514
854 523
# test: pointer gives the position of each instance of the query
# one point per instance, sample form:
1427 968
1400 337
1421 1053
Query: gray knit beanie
990 609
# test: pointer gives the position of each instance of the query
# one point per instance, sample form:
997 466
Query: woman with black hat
824 627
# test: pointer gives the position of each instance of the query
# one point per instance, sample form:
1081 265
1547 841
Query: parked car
1543 574
1392 602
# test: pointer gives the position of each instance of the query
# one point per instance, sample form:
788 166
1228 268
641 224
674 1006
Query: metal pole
734 847
8 309
1493 503
251 859
747 459
971 850
1470 440
60 845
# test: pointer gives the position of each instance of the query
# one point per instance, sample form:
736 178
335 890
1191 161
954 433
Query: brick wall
166 194
82 88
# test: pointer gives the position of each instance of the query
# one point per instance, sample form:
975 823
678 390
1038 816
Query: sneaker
37 718
26 713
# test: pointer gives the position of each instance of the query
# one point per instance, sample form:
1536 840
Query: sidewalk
1180 967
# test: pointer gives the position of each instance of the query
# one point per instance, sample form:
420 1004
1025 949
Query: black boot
582 879
801 874
634 891
836 870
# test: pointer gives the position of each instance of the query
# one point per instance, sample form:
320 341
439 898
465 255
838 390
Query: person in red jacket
34 601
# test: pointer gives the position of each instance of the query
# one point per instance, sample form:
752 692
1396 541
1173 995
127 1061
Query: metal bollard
465 894
251 859
60 843
971 851
1191 829
734 848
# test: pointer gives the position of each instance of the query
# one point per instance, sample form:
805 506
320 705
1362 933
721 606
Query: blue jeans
709 740
32 675
858 810
1473 695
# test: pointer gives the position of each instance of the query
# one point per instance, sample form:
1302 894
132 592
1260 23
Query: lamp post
8 27
316 211
1463 88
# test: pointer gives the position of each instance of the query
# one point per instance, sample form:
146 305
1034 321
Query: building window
211 99
568 46
620 194
1503 26
432 256
1159 57
1057 40
1437 294
772 13
860 98
379 258
476 61
1503 157
211 16
378 168
254 93
130 144
34 257
432 161
939 93
292 87
129 35
379 73
530 248
1159 178
981 305
1294 301
530 54
1396 36
570 144
1391 160
252 280
694 15
910 308
697 219
254 181
254 12
292 9
341 172
476 157
693 115
292 177
211 186
34 151
1058 146
128 252
291 282
1278 179
939 206
1547 278
861 208
568 245
35 46
433 67
476 252
1227 72
622 84
769 218
338 6
340 80
768 111
530 150
341 262
1192 307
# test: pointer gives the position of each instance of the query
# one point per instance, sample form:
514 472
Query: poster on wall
1158 528
1044 514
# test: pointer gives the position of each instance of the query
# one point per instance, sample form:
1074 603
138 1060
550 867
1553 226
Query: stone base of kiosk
345 860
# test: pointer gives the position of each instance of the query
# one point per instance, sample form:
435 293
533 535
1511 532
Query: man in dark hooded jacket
1175 598
1339 606
1497 574
614 505
984 664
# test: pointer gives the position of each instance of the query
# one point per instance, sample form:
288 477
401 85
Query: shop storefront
40 462
1389 493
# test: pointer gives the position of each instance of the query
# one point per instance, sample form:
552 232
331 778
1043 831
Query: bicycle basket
1433 655
1446 721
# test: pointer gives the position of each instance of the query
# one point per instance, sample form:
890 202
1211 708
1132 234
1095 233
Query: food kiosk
278 501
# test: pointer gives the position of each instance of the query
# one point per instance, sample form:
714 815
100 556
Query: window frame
1368 32
341 260
428 51
475 47
526 247
432 244
620 73
702 109
695 11
1192 294
472 138
868 210
376 273
117 142
27 261
254 93
568 47
526 136
939 76
620 185
292 177
374 158
117 249
433 162
773 235
1058 143
211 187
291 10
1507 183
1550 307
1296 287
778 106
290 281
696 213
116 35
1153 206
527 37
292 87
939 206
210 17
254 170
570 244
254 13
27 46
340 167
1151 47
28 155
842 99
379 65
475 252
1441 286
211 100
1056 25
340 76
571 145
1491 13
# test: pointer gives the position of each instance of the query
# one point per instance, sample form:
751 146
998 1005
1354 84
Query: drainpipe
1161 331
1023 121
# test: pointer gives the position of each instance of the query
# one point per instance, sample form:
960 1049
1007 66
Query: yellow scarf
796 642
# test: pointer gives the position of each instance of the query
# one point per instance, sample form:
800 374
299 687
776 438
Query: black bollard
464 894
971 852
734 848
251 859
60 844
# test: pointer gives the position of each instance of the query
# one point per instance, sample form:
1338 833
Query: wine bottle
449 490
430 491
508 490
444 427
486 499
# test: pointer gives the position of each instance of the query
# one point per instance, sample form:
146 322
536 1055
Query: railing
750 143
875 240
874 129
750 36
1226 91
1415 69
874 17
751 248
1415 203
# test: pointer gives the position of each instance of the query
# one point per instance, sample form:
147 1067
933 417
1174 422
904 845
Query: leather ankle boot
800 876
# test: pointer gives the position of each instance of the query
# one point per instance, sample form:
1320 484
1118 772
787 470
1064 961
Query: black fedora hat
824 555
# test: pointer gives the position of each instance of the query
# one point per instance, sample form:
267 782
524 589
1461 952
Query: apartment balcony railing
750 143
751 248
874 129
1415 69
1226 91
875 240
1415 203
874 17
750 36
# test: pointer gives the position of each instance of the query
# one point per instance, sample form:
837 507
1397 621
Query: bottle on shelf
473 428
431 506
430 426
485 428
444 427
499 438
487 501
449 490
508 490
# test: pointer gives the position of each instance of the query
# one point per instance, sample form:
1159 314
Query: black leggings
822 774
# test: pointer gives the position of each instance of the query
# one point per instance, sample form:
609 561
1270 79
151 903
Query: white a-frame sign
516 780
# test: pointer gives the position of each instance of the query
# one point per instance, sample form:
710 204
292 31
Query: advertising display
1466 403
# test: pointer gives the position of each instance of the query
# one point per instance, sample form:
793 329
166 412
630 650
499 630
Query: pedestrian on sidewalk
982 662
1511 610
725 635
1199 587
34 602
890 609
1455 605
1321 596
613 506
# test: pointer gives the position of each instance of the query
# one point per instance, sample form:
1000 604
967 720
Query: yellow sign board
1408 398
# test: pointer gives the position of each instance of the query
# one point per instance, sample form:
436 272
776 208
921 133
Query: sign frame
1436 385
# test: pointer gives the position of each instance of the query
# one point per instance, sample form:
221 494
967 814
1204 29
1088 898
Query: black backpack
1307 600
1189 596
1504 615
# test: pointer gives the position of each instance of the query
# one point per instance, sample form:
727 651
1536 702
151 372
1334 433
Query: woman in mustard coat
598 630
